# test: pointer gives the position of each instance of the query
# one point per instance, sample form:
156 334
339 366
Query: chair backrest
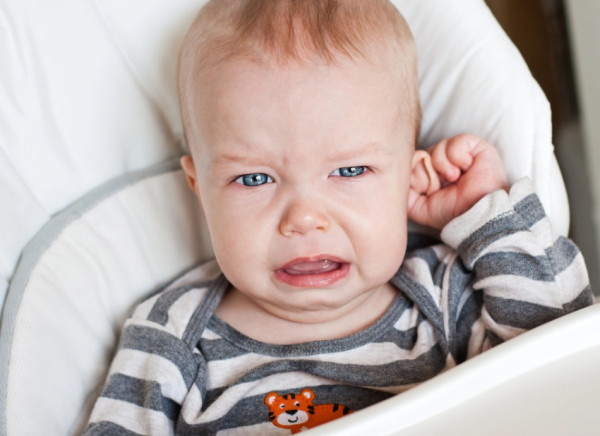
96 212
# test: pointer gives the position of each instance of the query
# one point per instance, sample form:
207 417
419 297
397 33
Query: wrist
490 208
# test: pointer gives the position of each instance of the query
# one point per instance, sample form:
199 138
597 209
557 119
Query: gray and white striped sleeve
152 371
528 275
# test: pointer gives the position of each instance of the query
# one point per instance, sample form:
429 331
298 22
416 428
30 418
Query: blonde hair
296 30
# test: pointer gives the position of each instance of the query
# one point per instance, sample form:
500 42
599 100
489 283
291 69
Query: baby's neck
254 321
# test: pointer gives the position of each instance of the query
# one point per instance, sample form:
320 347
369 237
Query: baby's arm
467 169
522 273
148 381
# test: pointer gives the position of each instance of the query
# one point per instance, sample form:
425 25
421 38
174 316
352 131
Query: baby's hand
465 169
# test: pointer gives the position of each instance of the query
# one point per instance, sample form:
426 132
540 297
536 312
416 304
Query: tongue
317 267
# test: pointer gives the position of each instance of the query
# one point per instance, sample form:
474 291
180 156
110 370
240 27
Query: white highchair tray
544 382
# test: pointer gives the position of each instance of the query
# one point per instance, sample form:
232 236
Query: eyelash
258 179
353 171
255 179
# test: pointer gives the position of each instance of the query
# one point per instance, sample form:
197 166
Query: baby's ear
423 178
187 163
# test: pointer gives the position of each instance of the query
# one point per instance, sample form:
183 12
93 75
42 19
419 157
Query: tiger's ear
270 398
423 178
308 394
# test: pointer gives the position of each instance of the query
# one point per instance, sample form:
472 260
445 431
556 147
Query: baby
302 118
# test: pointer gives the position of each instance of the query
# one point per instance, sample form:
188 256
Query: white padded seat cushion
79 278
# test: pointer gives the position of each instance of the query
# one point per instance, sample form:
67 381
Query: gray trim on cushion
35 248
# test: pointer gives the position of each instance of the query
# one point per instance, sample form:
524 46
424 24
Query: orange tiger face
297 412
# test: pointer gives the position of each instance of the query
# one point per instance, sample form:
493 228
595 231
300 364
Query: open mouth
314 272
322 266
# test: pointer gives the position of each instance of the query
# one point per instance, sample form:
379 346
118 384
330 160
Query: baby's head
301 117
295 34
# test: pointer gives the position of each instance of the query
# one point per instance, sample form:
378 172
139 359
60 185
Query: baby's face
303 175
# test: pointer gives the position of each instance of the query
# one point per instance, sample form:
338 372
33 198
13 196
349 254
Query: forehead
247 95
349 78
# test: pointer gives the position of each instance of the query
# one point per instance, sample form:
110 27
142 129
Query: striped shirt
181 370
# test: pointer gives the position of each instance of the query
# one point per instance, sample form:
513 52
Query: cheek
384 252
384 206
230 233
382 233
238 234
387 236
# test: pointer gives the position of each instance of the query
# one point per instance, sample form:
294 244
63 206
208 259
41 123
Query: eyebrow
230 158
369 149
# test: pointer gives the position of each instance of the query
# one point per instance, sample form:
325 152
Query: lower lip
321 280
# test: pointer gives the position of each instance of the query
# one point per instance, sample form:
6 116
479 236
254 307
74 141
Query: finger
460 150
441 162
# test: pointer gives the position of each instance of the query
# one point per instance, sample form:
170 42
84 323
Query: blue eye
349 171
255 179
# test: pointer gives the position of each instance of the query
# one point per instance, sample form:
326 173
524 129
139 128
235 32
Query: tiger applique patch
298 413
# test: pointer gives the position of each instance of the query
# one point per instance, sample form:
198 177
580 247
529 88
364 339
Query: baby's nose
303 216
